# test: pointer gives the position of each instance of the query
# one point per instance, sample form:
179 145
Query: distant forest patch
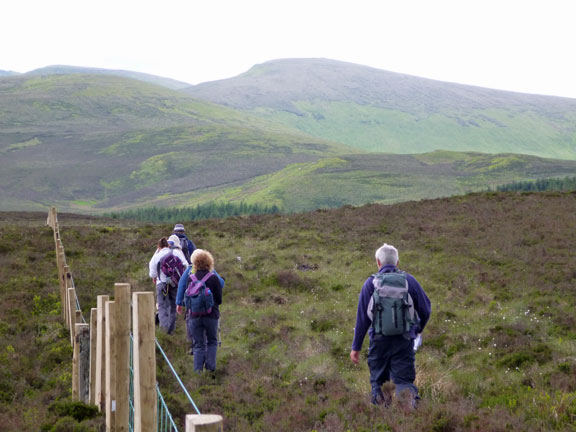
201 211
540 185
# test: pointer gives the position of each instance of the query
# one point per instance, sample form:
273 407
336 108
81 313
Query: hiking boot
377 397
408 400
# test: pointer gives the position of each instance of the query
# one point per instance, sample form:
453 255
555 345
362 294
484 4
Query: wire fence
165 421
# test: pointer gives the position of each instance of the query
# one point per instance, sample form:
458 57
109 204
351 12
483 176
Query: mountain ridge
67 69
92 143
377 110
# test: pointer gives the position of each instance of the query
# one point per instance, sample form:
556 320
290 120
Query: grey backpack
391 308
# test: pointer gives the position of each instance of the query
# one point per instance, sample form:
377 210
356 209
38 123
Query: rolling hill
95 143
152 79
383 111
85 140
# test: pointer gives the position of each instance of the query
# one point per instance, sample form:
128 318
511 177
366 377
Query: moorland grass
498 353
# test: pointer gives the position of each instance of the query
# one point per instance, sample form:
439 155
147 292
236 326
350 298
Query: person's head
163 243
202 260
387 255
174 241
179 228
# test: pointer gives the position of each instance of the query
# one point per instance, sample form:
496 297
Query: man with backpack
185 243
166 267
393 308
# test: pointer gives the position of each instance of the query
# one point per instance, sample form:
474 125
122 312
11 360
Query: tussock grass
498 353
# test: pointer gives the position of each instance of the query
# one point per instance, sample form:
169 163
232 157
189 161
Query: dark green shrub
65 424
517 359
77 410
321 325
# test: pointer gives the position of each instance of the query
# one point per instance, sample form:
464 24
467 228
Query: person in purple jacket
390 357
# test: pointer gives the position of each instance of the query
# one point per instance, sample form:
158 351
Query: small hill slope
152 79
383 111
98 139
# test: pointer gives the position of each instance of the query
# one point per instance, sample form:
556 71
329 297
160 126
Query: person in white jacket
166 285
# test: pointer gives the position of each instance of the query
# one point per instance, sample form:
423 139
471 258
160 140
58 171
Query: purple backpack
172 267
199 298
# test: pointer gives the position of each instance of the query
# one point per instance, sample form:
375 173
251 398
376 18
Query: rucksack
172 267
184 244
391 307
199 299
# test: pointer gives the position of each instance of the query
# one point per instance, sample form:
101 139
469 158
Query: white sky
518 45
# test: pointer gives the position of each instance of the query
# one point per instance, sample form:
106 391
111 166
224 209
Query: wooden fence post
144 362
204 423
82 359
93 342
50 220
71 312
62 282
122 347
100 385
111 333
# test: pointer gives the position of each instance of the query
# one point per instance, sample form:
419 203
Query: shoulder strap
160 261
205 278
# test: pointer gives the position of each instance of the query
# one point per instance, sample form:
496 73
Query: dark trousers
392 357
205 333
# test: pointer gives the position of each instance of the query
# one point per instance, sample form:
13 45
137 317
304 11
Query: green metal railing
165 421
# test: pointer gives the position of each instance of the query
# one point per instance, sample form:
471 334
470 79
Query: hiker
187 245
201 321
174 243
166 267
391 355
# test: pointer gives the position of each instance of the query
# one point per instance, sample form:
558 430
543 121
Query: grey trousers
166 307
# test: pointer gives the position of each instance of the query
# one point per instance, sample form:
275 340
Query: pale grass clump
437 382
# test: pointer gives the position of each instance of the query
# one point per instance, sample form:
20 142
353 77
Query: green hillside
382 178
96 143
498 353
153 79
86 140
382 111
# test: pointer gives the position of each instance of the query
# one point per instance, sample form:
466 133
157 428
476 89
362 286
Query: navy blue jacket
363 323
191 246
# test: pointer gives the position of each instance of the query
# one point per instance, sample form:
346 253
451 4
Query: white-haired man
393 308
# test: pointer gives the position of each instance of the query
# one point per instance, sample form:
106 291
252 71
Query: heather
498 353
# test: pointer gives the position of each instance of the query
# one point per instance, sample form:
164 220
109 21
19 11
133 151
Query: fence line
112 367
177 377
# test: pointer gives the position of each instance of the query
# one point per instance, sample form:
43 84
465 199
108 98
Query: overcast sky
518 45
